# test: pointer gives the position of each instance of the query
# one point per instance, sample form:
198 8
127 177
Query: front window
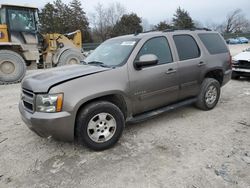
158 46
112 53
21 20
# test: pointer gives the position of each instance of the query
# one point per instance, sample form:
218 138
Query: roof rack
190 29
200 28
173 29
137 33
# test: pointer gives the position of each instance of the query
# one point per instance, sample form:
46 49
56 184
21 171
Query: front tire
99 125
209 94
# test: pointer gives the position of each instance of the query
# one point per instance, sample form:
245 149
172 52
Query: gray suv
126 79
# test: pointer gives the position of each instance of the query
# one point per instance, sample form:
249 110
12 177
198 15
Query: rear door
190 64
154 86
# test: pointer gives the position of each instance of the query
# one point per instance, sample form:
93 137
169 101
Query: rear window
213 42
187 47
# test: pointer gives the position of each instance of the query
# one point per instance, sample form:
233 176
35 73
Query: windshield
21 20
112 53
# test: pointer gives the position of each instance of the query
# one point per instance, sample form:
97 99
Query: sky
204 11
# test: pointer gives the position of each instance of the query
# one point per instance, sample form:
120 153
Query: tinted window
159 47
213 42
112 52
21 20
186 46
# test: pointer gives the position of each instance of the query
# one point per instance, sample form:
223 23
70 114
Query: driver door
154 86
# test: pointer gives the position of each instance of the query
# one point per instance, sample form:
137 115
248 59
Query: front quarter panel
81 90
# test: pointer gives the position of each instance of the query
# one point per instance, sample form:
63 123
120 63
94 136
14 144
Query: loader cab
21 23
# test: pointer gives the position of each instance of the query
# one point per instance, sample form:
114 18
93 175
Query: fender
126 100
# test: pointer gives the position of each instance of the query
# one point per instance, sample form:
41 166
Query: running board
153 113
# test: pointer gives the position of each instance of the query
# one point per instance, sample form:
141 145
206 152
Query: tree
78 20
235 22
105 18
46 23
163 26
62 18
129 23
182 19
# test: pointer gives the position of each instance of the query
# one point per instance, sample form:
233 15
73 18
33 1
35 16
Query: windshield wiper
97 63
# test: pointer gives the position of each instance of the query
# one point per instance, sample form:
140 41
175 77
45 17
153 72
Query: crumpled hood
242 56
43 81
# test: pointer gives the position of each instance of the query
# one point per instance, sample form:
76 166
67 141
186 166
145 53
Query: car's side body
134 91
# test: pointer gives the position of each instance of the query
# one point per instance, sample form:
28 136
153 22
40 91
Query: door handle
171 71
201 64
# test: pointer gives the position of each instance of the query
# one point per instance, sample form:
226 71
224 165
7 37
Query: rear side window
187 47
158 46
213 42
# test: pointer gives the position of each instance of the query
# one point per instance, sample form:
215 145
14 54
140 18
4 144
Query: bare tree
198 24
215 26
104 19
235 22
114 12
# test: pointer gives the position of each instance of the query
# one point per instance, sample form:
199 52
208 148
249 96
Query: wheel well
116 99
14 48
216 74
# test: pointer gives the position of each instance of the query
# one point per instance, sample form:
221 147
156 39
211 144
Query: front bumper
58 125
241 71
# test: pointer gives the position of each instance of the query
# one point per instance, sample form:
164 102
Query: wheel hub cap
211 95
101 127
7 67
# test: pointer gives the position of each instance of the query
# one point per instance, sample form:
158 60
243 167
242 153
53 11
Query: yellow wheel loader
22 45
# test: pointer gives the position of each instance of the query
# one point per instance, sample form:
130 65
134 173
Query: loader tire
12 67
70 57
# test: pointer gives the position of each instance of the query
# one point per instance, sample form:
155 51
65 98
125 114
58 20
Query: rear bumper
57 125
227 76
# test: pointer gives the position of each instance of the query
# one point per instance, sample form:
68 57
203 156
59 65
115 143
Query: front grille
243 64
28 98
28 105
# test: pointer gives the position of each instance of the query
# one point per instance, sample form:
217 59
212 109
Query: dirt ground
183 148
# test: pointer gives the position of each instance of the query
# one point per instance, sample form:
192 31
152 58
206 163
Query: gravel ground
183 148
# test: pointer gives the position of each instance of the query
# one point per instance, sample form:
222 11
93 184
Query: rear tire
209 94
12 67
70 57
99 125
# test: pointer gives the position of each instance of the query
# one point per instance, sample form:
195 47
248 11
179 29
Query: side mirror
146 60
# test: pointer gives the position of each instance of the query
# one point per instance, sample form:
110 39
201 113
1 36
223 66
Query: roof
18 5
159 33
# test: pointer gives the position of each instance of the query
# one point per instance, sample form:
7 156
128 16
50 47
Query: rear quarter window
213 42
